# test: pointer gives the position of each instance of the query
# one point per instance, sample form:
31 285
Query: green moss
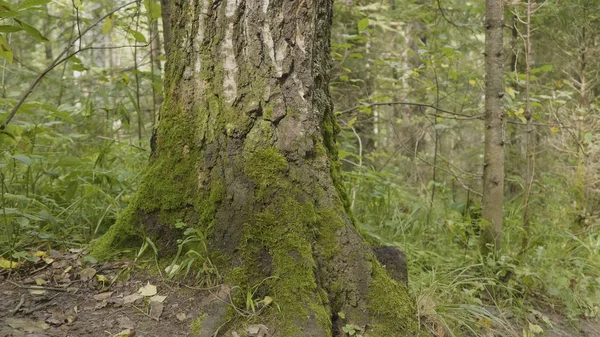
284 228
122 232
196 327
264 165
390 307
330 130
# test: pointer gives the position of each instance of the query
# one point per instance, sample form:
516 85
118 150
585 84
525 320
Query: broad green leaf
78 67
23 159
32 31
107 25
68 161
363 24
5 51
544 68
153 9
9 29
6 10
75 59
31 3
139 37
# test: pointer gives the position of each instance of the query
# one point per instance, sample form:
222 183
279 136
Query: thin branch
58 60
424 105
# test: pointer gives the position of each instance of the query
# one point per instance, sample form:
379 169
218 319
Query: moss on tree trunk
245 153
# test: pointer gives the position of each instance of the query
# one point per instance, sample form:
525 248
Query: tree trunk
245 153
493 167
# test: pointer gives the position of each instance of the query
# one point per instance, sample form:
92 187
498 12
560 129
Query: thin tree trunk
166 14
244 153
493 167
529 174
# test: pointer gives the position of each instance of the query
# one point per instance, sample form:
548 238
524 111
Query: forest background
407 84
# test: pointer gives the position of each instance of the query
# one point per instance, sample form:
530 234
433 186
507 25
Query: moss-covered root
122 234
391 309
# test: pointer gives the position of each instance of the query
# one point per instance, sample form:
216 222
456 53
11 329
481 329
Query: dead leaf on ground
36 291
40 281
100 305
59 318
125 333
103 296
257 330
27 325
148 290
125 323
131 298
87 274
156 309
158 298
60 264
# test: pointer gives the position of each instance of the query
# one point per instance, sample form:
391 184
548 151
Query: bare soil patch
62 296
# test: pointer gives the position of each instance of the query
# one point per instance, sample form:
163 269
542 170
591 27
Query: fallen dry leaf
148 290
125 333
103 296
100 305
36 291
27 325
257 330
156 309
125 323
158 298
87 274
59 318
131 298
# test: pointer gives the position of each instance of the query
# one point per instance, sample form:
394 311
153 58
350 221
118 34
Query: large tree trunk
245 153
493 167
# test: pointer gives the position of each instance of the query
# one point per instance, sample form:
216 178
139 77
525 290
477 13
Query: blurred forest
81 90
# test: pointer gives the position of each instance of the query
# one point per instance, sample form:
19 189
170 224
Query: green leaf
544 68
153 9
78 67
9 29
139 37
23 159
5 51
31 3
510 91
351 122
363 24
32 31
68 161
75 59
107 25
6 10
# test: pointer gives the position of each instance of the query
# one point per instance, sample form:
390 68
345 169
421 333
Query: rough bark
245 153
493 169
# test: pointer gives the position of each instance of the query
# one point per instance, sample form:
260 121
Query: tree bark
245 153
493 167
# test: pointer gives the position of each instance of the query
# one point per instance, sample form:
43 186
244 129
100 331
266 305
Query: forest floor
61 296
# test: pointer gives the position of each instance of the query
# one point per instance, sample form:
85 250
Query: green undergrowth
464 293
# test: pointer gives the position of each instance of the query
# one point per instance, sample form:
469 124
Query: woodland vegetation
121 137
